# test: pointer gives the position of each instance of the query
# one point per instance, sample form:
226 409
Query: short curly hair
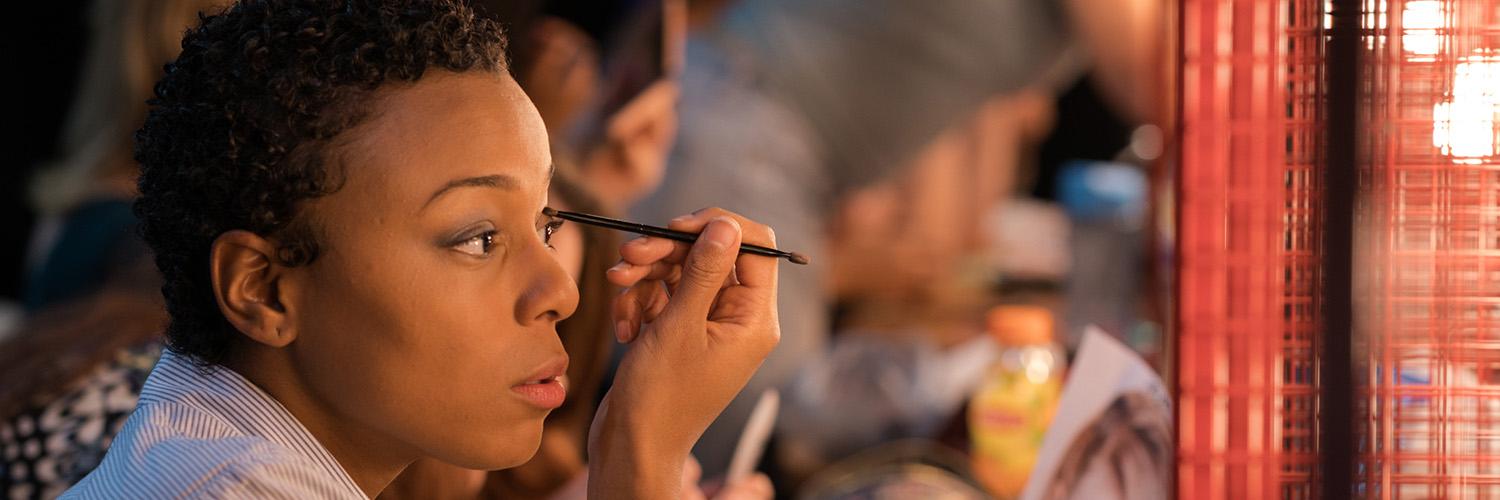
241 131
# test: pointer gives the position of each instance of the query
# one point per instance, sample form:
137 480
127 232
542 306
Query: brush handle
661 232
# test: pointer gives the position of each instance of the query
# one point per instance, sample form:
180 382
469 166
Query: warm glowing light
1420 22
1466 127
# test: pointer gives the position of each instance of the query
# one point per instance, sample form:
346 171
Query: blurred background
1060 248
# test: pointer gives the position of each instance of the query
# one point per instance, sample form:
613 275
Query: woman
557 65
344 199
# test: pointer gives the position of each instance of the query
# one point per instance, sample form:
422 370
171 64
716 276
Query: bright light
1420 21
1466 127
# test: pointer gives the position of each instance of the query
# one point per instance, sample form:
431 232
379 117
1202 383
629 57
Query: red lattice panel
1428 295
1248 248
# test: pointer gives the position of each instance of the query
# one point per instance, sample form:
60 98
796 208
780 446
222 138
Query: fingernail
725 232
622 330
620 266
680 219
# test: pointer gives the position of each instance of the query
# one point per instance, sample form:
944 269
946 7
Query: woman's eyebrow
500 181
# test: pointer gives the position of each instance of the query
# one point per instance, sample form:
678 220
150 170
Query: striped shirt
213 434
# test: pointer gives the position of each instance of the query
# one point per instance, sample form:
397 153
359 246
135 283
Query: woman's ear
247 279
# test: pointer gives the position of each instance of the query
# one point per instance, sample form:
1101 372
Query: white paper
1104 371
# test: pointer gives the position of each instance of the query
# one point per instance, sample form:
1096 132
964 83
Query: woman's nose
551 294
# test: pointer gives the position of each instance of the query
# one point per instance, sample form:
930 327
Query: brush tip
548 211
799 259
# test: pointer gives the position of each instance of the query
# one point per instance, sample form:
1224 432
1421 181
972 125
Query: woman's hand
700 319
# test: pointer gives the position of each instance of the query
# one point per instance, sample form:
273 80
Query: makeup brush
661 232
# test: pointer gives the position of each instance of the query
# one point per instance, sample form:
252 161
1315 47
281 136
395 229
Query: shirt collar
239 403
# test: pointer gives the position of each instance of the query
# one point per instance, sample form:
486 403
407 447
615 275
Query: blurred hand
633 157
701 319
755 487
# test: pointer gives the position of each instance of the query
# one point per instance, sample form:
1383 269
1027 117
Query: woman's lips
544 388
547 394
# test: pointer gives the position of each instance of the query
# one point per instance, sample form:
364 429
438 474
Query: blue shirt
213 434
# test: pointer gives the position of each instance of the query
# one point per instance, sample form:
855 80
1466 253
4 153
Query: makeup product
753 440
661 232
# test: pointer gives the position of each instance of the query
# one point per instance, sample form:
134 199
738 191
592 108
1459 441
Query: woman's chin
502 451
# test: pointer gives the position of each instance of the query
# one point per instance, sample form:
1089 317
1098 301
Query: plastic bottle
1010 411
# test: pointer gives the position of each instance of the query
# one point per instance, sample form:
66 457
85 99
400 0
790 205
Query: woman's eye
549 229
477 246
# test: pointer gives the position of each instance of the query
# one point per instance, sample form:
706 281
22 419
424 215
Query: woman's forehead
444 129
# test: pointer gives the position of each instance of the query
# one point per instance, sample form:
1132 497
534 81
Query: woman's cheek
568 240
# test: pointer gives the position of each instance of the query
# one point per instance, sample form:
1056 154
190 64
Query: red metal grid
1427 249
1429 232
1247 248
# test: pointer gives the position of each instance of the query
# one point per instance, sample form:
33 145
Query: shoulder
186 448
209 464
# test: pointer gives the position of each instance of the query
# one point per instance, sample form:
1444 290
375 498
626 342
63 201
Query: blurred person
789 106
630 161
73 374
335 231
84 197
929 214
620 149
908 271
553 60
76 365
564 72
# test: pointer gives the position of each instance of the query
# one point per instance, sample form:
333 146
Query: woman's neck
371 458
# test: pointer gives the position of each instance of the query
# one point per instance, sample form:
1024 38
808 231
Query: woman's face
429 317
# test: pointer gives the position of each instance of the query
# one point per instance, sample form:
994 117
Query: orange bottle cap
1020 324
